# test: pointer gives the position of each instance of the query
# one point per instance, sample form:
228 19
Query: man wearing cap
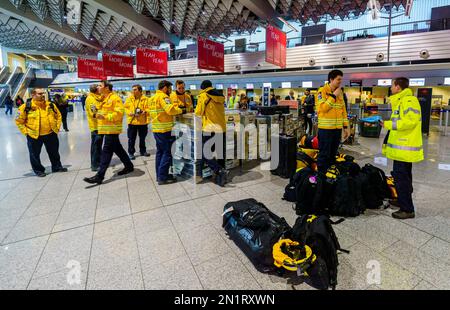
162 112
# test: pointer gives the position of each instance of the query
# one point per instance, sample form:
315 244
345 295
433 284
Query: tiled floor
57 233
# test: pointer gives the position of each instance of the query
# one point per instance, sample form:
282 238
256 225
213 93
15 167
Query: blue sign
266 97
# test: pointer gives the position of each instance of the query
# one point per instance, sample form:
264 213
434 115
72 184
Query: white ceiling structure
121 25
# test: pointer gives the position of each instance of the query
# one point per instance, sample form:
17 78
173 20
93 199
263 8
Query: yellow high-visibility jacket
210 107
131 104
181 101
405 137
30 123
162 112
234 102
331 111
93 103
112 109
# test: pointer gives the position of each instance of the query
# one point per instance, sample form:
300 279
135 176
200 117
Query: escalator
4 74
16 84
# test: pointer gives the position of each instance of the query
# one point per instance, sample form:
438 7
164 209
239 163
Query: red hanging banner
118 65
151 61
90 69
211 55
276 42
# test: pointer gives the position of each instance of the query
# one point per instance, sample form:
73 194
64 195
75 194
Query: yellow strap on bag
288 260
332 172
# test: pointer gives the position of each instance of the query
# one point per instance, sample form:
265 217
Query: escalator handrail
22 80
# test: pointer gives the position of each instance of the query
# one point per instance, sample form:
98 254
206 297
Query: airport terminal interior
267 59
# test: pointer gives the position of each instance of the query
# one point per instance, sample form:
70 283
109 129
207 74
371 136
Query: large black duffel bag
255 230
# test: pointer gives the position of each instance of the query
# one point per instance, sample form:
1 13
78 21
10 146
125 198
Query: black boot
402 215
126 170
94 180
222 177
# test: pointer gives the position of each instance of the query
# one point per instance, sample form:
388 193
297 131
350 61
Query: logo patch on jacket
18 115
167 100
319 96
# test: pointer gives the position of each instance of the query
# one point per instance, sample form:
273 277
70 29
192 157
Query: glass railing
340 36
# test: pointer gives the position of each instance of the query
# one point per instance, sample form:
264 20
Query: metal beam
123 11
7 8
264 10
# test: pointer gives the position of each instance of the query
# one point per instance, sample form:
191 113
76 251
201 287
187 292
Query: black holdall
255 230
287 157
311 193
374 186
317 233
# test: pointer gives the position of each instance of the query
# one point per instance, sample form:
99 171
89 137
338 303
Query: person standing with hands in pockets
332 120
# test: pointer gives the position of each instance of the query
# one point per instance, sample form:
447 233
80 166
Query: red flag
276 43
151 61
211 55
118 65
90 69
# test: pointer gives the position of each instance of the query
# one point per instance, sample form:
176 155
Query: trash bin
370 127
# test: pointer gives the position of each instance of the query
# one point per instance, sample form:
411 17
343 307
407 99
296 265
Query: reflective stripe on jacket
130 108
93 103
331 111
29 122
162 112
112 109
405 136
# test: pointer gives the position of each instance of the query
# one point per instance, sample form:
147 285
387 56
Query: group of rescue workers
40 121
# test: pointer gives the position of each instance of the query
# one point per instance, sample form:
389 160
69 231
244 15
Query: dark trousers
64 117
51 144
329 140
96 149
214 164
402 174
8 108
112 146
308 124
163 161
133 131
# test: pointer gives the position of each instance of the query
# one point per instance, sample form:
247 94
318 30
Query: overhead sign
118 65
266 97
307 84
447 81
385 82
90 69
356 83
193 87
43 74
219 86
269 85
417 82
151 62
250 86
234 86
211 55
276 43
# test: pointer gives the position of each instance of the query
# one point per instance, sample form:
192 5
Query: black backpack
348 200
374 186
290 191
255 230
317 232
311 193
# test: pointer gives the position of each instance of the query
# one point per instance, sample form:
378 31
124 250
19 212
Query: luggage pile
307 252
346 189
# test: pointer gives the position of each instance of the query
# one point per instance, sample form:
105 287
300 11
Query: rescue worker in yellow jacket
181 98
40 121
233 102
404 143
332 120
162 112
210 107
137 108
92 105
109 121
